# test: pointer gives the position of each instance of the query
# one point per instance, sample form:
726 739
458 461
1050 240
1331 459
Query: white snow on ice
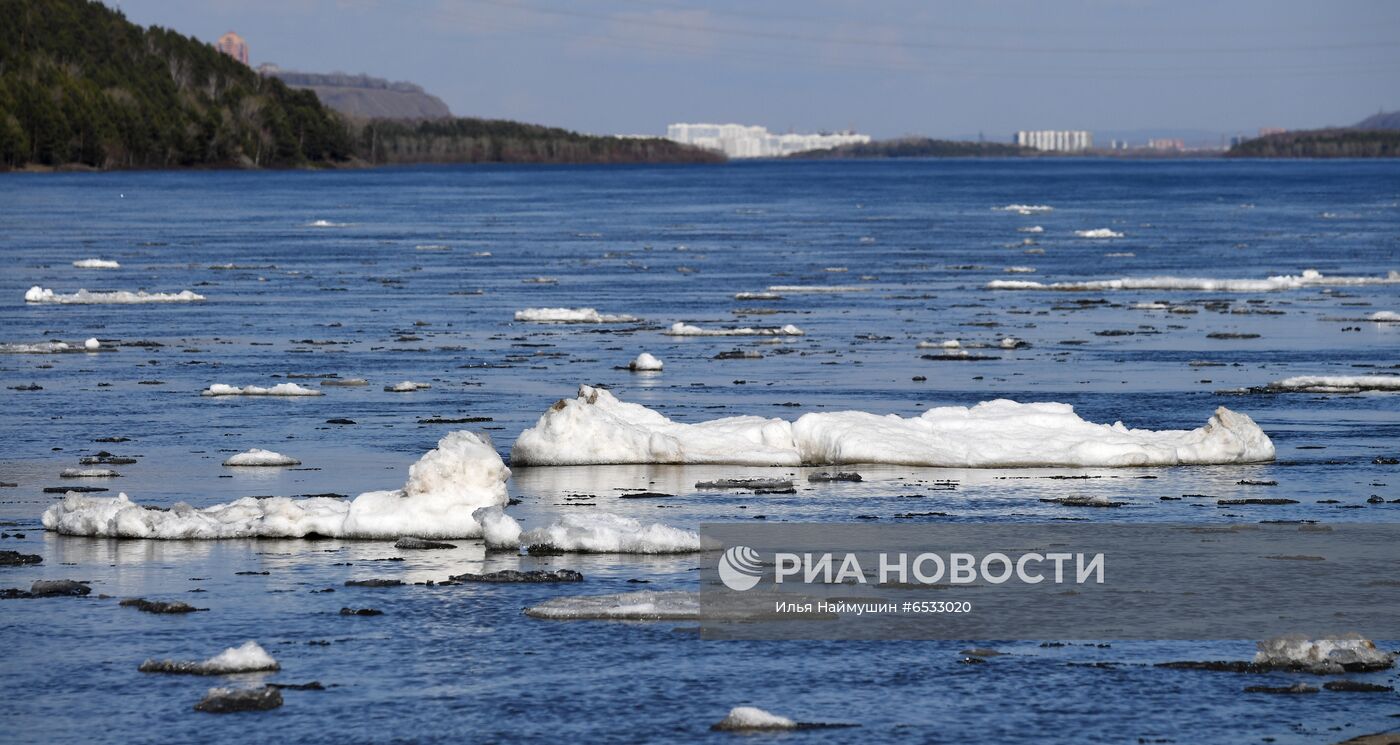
646 363
1025 209
37 294
260 457
96 264
752 718
498 530
1098 233
606 533
461 475
571 315
1337 383
597 428
281 389
406 386
1309 278
1384 316
684 329
246 658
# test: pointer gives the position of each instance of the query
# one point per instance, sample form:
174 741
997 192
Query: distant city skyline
903 67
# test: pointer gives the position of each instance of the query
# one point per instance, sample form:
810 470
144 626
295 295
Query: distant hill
366 97
1322 143
916 147
81 85
1383 120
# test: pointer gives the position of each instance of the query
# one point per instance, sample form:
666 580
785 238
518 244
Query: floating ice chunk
87 473
946 344
250 657
570 315
1025 209
742 718
684 329
326 224
37 294
260 457
498 530
1019 270
597 428
462 474
1384 316
757 296
1351 653
645 363
92 343
1031 229
42 347
648 605
1098 233
407 386
1336 383
606 533
1309 278
1120 254
432 247
281 389
1002 434
817 289
96 264
1011 342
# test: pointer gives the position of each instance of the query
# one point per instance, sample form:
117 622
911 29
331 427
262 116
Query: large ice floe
461 475
37 294
571 315
684 329
1309 278
647 605
597 428
1335 384
96 264
606 533
281 389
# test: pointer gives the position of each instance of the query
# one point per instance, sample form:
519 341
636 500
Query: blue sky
886 67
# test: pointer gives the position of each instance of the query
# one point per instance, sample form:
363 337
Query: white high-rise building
744 141
1058 140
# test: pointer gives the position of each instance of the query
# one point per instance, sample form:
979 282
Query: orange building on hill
234 46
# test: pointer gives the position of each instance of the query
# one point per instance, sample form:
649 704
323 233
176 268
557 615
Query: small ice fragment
644 363
1098 233
96 264
92 343
407 386
260 457
743 718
